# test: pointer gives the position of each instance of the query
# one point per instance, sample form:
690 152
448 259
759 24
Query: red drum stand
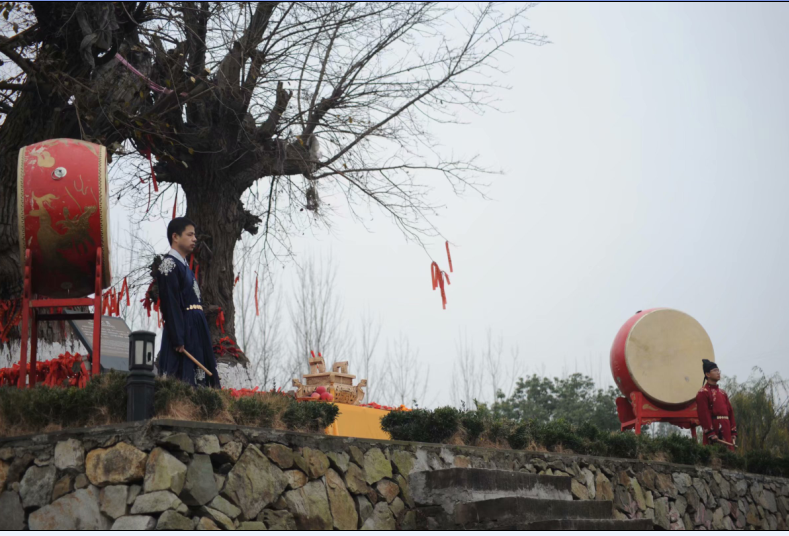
31 317
640 411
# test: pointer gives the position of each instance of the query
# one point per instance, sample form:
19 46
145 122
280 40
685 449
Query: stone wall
180 475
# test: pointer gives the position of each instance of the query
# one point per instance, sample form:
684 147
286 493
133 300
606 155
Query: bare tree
252 111
317 316
404 382
369 333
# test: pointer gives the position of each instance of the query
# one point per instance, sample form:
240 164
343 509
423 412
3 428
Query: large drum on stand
658 352
63 216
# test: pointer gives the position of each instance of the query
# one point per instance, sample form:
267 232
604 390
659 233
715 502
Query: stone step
510 512
447 487
585 524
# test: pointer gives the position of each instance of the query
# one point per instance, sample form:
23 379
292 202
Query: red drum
658 352
63 216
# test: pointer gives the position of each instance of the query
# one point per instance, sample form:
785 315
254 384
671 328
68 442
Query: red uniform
715 414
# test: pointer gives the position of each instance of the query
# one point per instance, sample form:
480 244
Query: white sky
645 166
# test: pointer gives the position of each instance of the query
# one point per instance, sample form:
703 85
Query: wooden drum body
658 352
63 215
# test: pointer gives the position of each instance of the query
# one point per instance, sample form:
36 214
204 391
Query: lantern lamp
141 350
141 381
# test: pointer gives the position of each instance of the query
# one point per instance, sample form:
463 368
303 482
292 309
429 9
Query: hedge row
103 401
479 428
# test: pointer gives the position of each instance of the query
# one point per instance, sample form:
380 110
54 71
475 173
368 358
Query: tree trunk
219 217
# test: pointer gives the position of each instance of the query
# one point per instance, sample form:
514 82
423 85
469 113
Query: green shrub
729 459
499 429
310 416
474 424
253 411
208 401
555 433
589 431
681 449
103 398
622 445
763 462
422 425
521 436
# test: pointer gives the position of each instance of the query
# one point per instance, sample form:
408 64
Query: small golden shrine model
337 382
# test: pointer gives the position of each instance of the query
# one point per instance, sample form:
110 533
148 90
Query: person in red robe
715 413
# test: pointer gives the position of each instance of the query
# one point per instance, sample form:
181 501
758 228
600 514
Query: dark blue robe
178 289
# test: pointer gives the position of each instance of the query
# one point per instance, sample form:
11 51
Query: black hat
708 365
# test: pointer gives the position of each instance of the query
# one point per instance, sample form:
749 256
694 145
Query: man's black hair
178 226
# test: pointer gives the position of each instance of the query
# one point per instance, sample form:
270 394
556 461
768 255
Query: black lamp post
141 380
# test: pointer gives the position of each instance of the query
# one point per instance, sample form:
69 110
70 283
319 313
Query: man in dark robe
185 326
715 413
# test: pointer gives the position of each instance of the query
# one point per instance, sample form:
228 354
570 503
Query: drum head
663 354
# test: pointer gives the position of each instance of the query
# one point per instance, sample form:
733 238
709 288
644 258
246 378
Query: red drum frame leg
31 317
639 411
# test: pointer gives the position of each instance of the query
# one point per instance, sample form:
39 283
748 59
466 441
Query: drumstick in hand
196 362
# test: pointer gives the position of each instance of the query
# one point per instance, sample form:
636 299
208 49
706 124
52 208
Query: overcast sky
645 165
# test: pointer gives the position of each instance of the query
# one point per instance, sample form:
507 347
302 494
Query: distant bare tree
317 316
404 381
260 328
369 333
467 379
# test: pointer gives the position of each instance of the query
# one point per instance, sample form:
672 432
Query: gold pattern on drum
52 241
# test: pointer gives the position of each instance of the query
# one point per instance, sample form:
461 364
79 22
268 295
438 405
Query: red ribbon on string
449 257
175 204
235 282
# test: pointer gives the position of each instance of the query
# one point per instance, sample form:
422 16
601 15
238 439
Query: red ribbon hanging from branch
438 281
147 153
220 320
449 257
125 291
10 316
175 204
257 307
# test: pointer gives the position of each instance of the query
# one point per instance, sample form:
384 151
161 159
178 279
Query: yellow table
356 421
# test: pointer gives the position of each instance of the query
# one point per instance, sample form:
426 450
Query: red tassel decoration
197 271
191 261
449 257
235 282
175 204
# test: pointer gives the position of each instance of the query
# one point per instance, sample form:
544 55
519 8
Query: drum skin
659 352
63 216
